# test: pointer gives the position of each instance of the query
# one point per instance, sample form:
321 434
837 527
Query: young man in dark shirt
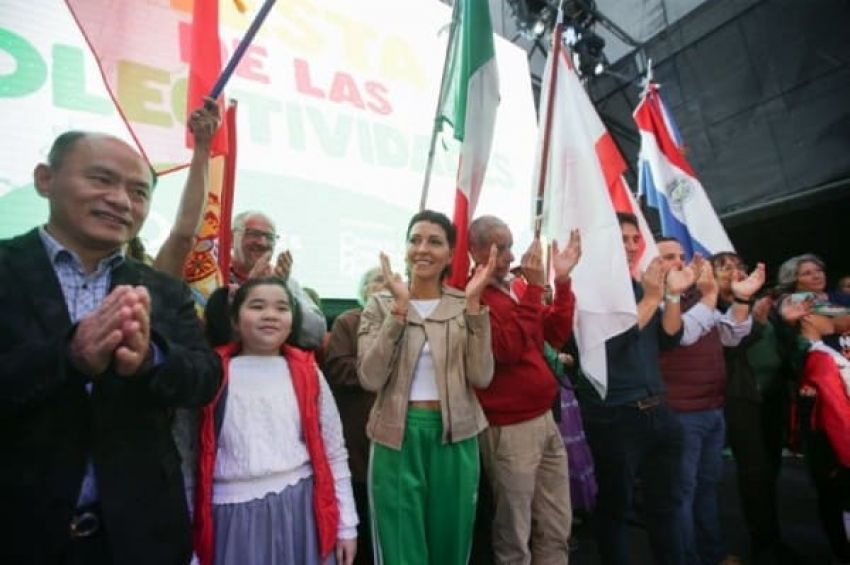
632 431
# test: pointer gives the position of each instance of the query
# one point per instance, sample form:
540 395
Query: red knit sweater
302 367
523 385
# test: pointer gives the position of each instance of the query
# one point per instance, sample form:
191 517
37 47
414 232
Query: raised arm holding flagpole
574 179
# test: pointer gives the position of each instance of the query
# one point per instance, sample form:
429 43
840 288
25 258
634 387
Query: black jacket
50 424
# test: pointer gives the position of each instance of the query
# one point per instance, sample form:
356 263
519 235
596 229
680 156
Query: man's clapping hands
118 331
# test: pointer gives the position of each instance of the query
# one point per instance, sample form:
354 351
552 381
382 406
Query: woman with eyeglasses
423 347
757 383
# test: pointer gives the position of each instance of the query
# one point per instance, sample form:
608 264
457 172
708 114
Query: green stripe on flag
471 49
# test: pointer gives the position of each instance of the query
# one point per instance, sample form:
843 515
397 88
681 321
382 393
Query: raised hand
706 283
652 279
481 277
100 332
532 263
262 268
394 283
204 122
563 262
134 352
679 281
696 265
284 265
792 311
746 288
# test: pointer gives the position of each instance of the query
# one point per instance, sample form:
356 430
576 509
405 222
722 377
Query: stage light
589 50
581 13
544 22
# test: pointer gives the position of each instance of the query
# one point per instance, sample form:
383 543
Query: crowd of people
135 432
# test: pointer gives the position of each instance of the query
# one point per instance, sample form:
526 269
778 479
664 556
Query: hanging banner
335 114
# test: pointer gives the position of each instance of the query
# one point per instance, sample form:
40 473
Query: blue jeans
627 442
701 474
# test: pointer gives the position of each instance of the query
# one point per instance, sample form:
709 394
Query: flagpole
547 131
647 81
225 233
437 119
241 48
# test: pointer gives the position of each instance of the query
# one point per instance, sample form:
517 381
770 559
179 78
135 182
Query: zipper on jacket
448 402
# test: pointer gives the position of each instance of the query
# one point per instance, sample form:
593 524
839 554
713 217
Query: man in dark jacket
95 351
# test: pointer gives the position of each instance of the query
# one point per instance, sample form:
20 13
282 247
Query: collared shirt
83 293
700 319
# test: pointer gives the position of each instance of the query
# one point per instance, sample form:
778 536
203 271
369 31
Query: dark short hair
667 238
441 220
64 144
627 218
62 147
719 259
222 311
435 218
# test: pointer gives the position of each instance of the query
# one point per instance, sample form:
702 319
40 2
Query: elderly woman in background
354 402
803 280
807 273
423 347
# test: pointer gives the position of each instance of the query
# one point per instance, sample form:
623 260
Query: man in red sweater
522 450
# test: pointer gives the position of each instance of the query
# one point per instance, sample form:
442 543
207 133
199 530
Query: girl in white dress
273 483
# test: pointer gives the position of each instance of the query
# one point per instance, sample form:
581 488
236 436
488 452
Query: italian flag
469 105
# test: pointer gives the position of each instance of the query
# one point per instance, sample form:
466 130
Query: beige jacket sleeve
378 345
479 350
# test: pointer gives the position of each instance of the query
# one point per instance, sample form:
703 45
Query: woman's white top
260 447
424 385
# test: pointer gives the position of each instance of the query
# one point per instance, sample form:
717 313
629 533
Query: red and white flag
579 175
469 105
141 70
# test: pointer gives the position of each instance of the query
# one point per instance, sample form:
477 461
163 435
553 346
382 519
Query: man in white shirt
695 377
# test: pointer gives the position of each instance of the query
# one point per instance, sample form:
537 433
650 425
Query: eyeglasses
729 267
271 237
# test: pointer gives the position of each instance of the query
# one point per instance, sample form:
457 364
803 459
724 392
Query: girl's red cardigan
305 381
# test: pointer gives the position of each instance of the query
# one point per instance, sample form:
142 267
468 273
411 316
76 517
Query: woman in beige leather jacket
422 347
